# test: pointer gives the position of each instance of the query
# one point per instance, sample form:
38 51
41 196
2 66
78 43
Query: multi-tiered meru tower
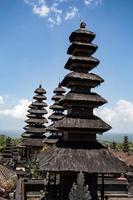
79 149
7 152
35 129
55 116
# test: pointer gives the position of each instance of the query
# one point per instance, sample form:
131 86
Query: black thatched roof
76 78
37 111
37 120
36 142
68 159
75 62
59 90
6 174
36 103
40 90
26 135
82 34
39 97
89 100
35 129
56 106
51 128
55 116
78 48
56 97
95 124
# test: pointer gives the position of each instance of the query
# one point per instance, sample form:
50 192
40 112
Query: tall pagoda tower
7 153
126 144
79 149
56 115
35 128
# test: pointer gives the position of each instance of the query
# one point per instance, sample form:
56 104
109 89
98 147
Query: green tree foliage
2 142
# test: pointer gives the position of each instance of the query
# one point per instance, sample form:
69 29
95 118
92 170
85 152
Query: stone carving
79 191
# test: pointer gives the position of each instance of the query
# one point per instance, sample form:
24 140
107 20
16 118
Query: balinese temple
34 135
55 116
15 153
126 144
79 150
7 152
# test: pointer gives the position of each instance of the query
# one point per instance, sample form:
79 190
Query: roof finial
82 24
59 84
40 86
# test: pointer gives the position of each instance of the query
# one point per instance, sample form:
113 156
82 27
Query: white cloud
92 2
120 117
56 14
41 10
18 111
71 13
1 100
56 11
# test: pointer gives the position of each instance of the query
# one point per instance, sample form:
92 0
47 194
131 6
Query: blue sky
34 37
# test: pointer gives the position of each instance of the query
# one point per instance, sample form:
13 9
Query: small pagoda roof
56 107
36 103
75 62
7 155
80 47
74 78
26 134
59 89
67 158
30 115
31 129
56 116
56 97
37 120
36 142
51 141
37 111
39 97
89 100
82 34
40 90
78 124
51 128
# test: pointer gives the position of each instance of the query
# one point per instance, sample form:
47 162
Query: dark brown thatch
42 104
75 160
83 34
34 129
88 100
6 174
50 141
55 116
56 107
37 120
36 142
95 124
40 90
59 90
26 134
76 78
56 97
39 97
80 47
37 111
80 61
51 128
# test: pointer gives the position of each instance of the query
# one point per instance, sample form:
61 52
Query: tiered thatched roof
55 116
79 150
35 128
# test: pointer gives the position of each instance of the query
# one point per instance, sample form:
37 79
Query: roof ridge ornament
83 25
